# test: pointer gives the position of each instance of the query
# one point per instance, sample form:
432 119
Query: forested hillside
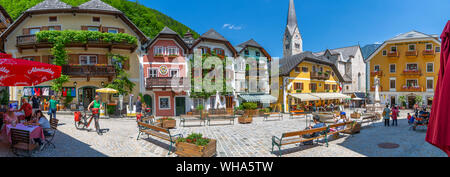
150 21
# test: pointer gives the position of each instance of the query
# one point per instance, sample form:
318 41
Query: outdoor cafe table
35 131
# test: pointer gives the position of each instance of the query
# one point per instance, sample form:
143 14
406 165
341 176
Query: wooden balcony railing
412 88
428 53
412 72
163 82
26 39
89 71
376 73
393 54
30 42
320 76
411 53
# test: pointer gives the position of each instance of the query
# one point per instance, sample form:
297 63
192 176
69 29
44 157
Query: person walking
395 115
52 109
96 106
386 115
139 105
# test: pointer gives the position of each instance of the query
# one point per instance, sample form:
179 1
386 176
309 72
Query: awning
360 95
331 96
263 98
305 97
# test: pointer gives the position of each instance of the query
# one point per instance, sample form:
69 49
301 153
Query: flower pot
355 115
191 150
169 124
245 119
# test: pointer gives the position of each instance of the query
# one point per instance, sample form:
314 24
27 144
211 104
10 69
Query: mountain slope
150 21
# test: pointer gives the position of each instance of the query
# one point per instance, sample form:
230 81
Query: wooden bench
220 117
297 137
295 114
159 132
192 118
347 127
273 115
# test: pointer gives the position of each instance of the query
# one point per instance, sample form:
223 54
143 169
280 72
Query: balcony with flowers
376 73
393 54
412 88
428 53
412 72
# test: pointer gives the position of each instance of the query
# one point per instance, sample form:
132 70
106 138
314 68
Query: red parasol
18 72
438 133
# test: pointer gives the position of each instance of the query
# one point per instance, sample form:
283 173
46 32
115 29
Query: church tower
292 42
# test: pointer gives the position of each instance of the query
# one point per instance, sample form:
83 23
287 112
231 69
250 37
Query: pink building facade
165 67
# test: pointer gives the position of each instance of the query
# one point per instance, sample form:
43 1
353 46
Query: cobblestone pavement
251 140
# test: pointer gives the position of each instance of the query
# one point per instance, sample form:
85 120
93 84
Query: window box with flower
195 145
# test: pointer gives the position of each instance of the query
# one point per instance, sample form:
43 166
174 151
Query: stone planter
191 150
245 119
169 124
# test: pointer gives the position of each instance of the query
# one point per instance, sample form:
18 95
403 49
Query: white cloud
377 42
232 27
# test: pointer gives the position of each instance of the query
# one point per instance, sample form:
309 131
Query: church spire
293 42
292 17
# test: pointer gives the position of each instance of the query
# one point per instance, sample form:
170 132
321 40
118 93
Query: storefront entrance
411 102
393 100
180 106
86 95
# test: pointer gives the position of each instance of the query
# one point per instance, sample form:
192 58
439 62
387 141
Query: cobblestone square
239 140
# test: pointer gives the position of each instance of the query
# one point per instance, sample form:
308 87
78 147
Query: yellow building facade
89 65
307 79
407 67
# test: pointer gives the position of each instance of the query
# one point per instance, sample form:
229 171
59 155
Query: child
409 119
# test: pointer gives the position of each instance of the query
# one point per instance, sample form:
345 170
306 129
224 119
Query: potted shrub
167 122
195 145
250 108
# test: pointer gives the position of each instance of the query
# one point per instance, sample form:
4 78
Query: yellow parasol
107 90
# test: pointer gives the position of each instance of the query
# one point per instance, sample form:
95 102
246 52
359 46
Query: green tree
150 21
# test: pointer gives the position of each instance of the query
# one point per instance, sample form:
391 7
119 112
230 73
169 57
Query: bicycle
82 123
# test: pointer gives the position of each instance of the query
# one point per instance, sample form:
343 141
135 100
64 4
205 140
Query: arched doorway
86 95
148 100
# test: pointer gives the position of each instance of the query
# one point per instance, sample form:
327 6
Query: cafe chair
20 139
54 128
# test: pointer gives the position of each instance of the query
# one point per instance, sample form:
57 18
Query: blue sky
323 23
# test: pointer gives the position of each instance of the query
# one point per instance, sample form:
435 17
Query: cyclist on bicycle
96 105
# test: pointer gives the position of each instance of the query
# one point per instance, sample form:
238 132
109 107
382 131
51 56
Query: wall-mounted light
103 84
75 84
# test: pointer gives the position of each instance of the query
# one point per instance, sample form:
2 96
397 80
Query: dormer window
53 19
297 46
96 19
258 54
246 52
